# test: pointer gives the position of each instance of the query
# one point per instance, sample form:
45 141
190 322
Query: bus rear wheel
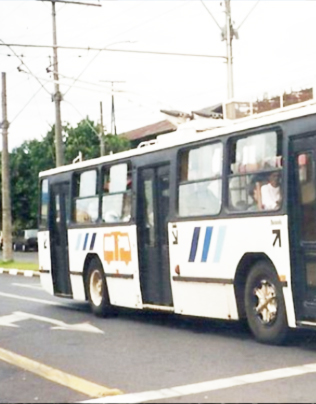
264 304
97 290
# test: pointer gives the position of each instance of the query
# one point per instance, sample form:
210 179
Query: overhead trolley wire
22 62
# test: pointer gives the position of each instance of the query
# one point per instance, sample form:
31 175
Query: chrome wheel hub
96 282
267 305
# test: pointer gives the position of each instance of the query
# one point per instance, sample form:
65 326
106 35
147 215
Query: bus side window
117 194
44 204
256 168
200 182
307 195
86 200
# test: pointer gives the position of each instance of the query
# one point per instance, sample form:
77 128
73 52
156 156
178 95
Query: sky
275 52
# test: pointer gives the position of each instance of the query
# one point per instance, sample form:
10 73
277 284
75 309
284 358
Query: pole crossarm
73 2
113 50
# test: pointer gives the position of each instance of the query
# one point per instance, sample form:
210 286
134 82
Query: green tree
34 156
84 138
115 144
27 161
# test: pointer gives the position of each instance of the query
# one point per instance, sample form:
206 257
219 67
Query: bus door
303 225
152 222
59 214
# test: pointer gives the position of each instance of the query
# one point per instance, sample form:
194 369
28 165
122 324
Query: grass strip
25 266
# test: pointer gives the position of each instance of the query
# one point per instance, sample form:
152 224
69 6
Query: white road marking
212 385
31 299
21 285
8 321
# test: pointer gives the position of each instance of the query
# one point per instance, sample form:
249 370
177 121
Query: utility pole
229 53
113 125
228 34
57 98
5 171
102 146
57 94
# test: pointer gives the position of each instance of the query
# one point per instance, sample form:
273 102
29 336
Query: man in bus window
255 193
271 192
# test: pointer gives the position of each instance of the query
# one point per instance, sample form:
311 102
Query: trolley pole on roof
57 98
5 171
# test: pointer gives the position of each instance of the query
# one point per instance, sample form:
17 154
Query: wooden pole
6 200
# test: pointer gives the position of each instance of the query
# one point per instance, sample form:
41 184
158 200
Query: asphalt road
211 361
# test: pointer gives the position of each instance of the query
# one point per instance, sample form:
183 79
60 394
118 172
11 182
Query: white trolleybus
220 224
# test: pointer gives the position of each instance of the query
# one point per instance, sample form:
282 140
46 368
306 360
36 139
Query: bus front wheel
264 304
97 290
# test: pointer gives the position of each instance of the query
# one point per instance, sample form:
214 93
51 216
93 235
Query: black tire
97 291
269 323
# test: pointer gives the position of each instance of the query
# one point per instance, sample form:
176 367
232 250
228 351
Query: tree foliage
34 156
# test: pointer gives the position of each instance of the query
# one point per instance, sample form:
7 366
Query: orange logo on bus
117 247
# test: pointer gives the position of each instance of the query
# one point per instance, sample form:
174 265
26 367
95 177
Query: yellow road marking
57 376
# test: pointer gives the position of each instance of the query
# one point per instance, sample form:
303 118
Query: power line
74 2
211 15
84 33
81 73
5 16
117 92
22 62
57 94
86 120
113 125
114 50
25 105
248 15
147 21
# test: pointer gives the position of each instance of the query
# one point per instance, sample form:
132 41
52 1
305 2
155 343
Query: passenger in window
271 192
255 194
129 181
111 217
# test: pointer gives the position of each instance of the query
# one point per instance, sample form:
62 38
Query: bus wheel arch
244 267
96 286
260 299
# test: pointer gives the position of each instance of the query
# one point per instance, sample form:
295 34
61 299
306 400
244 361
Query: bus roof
180 137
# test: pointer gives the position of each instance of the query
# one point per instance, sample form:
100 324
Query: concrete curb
20 272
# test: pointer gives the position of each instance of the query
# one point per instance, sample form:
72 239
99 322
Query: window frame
231 150
75 198
41 225
221 177
130 169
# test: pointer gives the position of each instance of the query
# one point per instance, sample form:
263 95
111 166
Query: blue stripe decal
85 241
93 241
78 241
195 241
220 243
207 243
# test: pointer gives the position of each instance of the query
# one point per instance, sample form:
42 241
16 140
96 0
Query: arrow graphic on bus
277 237
10 320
